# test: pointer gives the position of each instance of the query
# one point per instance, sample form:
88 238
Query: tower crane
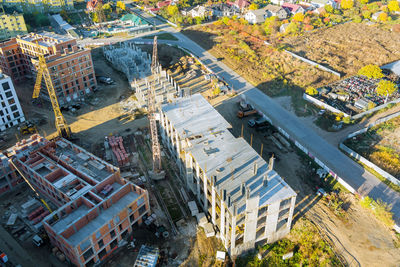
43 72
151 106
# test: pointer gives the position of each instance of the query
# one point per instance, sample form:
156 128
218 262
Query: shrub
299 17
253 6
347 4
371 71
357 19
328 8
383 17
366 14
393 6
380 209
311 91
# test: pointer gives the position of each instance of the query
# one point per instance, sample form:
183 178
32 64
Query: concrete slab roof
231 161
193 115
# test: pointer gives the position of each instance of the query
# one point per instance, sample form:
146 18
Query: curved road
352 173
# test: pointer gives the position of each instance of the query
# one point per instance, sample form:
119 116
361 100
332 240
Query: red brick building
71 68
97 208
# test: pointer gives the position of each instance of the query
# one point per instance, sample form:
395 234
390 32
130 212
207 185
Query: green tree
371 71
393 6
386 88
298 17
253 6
347 4
311 91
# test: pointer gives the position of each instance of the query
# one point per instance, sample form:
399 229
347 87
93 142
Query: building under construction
96 207
245 198
71 68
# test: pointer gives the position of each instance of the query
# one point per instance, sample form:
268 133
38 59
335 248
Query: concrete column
213 216
292 204
171 135
162 125
205 192
222 220
233 232
272 219
189 171
198 180
250 226
227 237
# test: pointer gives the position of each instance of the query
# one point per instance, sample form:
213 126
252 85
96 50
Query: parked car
261 121
105 80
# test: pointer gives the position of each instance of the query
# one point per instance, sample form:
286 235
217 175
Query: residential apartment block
30 6
245 198
70 67
96 207
11 112
12 25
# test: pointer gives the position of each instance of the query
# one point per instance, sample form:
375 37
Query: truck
246 110
37 240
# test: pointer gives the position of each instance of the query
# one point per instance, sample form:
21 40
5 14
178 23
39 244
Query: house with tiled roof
240 5
277 11
293 8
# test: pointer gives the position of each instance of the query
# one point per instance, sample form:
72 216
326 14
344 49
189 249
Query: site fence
322 104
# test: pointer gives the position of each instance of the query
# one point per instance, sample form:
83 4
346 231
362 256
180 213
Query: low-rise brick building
96 207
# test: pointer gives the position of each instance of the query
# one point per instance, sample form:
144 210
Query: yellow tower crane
43 72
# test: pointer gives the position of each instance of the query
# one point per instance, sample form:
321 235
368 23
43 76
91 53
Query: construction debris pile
119 154
129 59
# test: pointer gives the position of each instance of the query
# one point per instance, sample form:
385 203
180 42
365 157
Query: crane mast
43 72
152 109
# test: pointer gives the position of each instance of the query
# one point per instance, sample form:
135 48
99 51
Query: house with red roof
240 5
293 8
164 3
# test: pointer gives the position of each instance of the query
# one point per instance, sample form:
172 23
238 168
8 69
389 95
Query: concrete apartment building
71 68
12 25
30 6
11 112
96 207
245 198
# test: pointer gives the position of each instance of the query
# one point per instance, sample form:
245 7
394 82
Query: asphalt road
361 180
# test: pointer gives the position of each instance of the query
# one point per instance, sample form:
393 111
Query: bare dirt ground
347 47
359 237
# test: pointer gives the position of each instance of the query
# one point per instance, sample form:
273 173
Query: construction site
164 165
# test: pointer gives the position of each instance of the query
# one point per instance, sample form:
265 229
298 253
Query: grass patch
308 248
380 209
162 36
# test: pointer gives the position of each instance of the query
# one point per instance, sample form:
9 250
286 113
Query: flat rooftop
46 38
232 161
84 162
194 115
94 225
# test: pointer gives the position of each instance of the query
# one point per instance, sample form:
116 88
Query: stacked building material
117 146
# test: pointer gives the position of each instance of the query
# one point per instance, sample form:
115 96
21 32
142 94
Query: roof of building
46 38
62 23
291 7
229 160
240 3
394 67
134 19
147 257
274 8
164 3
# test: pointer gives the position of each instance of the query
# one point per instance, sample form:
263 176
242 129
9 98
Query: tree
363 1
298 17
393 6
311 91
292 28
328 8
172 10
366 14
121 5
357 19
347 4
371 105
371 71
383 17
386 88
253 6
99 14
